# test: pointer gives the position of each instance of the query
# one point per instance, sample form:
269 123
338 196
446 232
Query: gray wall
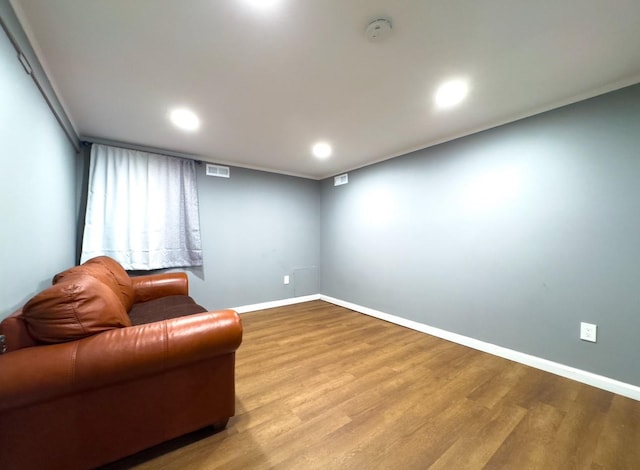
511 236
257 227
38 187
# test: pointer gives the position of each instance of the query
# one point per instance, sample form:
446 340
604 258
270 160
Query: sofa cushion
164 308
73 309
107 270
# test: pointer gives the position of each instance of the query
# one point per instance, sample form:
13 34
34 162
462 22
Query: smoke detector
378 30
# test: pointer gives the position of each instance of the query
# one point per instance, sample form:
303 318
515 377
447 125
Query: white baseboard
589 378
276 303
595 380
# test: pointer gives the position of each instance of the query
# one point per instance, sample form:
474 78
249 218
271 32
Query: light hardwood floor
321 387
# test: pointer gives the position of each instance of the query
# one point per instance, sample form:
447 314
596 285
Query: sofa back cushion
107 270
73 309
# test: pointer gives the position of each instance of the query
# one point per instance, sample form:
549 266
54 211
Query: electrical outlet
286 280
588 332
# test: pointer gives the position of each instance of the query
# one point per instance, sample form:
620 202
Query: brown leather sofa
102 365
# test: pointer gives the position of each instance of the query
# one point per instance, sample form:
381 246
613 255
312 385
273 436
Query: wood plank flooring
321 387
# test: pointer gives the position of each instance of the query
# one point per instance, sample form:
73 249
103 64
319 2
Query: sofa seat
164 308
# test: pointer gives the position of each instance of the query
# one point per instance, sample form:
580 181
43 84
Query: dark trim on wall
32 67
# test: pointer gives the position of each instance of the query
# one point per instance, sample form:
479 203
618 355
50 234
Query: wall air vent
341 179
219 171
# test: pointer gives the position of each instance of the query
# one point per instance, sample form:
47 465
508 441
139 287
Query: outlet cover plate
588 332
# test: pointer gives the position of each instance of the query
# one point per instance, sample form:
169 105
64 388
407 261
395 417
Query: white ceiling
268 83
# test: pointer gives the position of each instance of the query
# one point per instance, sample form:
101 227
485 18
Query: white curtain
142 209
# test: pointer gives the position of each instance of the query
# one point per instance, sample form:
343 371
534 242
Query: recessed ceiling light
263 4
322 150
185 119
451 93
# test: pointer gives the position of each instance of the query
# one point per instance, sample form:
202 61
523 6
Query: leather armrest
42 373
154 286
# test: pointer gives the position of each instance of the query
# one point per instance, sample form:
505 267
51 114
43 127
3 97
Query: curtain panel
142 209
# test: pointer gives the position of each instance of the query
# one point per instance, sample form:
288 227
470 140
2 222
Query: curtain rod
140 148
71 135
